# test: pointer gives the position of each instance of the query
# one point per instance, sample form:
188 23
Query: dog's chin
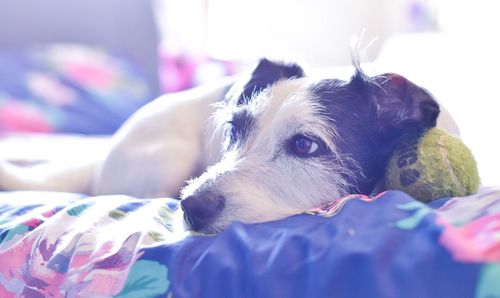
209 229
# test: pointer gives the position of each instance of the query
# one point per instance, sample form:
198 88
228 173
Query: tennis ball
433 166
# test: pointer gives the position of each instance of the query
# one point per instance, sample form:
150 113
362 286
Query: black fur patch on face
265 74
239 127
347 111
354 110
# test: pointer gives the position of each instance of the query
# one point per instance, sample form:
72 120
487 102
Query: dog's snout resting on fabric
264 147
201 209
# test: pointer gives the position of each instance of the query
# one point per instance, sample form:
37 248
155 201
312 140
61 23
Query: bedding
388 245
68 88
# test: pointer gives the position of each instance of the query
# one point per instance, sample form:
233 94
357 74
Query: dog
265 147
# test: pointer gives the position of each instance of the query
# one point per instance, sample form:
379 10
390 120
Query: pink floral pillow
68 88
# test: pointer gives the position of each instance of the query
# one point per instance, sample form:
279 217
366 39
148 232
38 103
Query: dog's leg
152 170
164 144
51 176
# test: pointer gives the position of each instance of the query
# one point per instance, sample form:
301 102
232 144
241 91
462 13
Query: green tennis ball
433 166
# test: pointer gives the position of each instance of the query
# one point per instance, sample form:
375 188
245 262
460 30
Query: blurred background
83 66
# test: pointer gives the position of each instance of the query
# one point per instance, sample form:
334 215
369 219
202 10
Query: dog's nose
202 209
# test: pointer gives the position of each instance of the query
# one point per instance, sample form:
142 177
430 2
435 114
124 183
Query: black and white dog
273 145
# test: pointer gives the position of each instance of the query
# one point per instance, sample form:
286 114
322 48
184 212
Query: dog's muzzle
202 209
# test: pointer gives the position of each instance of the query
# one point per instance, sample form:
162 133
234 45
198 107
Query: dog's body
268 147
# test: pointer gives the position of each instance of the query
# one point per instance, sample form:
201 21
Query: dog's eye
304 146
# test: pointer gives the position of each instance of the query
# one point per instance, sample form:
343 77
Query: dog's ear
265 74
401 107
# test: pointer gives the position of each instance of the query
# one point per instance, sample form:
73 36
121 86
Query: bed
71 245
388 245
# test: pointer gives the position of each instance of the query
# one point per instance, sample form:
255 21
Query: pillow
68 88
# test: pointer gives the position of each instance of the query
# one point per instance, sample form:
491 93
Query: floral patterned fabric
68 245
68 88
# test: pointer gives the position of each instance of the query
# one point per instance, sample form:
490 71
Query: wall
313 32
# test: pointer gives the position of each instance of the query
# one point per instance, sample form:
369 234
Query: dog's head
292 144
